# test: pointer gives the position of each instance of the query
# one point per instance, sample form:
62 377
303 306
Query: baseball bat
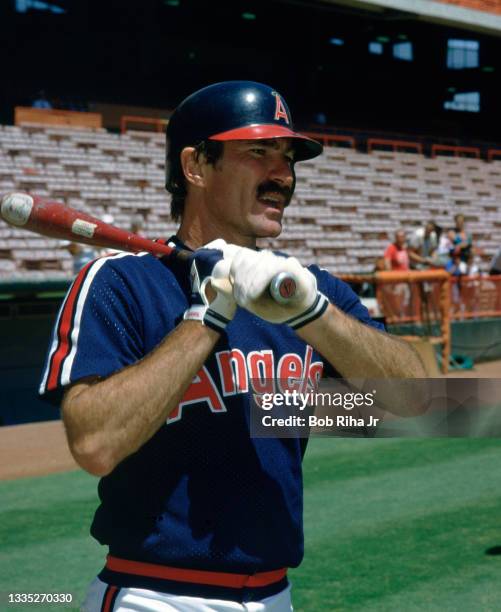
56 220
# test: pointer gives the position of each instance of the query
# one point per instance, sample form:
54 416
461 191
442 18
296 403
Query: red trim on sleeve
64 330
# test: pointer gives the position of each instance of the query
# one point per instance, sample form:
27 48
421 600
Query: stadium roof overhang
431 11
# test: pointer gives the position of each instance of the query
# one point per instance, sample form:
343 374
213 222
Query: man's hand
251 273
212 301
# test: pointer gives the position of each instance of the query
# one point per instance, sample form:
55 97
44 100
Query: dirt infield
34 450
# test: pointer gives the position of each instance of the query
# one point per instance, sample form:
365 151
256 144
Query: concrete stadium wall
479 339
22 353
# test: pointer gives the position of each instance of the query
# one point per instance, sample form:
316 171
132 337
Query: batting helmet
232 110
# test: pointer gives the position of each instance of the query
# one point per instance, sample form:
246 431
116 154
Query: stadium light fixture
403 51
468 101
22 6
376 48
462 54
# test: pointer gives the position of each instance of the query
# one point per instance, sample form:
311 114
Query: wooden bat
56 220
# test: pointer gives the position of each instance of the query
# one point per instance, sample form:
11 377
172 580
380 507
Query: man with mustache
157 362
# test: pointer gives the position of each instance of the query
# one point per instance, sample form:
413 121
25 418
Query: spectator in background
41 101
397 296
137 225
110 220
470 286
463 242
495 270
423 245
445 247
438 229
455 266
379 265
81 253
495 265
396 256
456 269
472 268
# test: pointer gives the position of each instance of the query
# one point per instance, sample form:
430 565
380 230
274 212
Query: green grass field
390 524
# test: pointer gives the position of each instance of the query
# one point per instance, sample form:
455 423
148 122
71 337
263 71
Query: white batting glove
251 273
210 265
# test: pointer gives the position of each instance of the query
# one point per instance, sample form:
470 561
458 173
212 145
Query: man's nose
281 171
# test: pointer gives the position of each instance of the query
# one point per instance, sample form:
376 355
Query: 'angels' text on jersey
257 371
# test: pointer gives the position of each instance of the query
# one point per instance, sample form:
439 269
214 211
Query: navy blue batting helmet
232 110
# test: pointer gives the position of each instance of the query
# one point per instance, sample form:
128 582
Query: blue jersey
201 493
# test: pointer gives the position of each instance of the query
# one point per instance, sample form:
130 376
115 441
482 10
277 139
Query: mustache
268 186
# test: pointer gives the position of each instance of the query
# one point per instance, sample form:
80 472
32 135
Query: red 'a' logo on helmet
280 110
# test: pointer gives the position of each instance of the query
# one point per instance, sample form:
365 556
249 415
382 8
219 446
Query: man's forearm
107 420
358 351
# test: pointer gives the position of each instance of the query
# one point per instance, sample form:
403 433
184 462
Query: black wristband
316 310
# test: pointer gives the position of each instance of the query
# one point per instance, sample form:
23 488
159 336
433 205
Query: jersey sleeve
343 297
97 331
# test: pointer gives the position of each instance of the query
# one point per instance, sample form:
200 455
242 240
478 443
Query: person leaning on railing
495 265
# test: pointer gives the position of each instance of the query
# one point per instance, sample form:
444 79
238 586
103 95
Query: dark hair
212 150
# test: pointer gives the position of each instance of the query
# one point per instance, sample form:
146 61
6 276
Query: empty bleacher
346 208
349 204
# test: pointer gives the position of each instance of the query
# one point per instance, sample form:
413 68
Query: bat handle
282 286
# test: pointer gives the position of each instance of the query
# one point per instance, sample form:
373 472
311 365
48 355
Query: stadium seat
345 210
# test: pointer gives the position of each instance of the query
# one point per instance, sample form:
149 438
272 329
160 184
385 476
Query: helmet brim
304 147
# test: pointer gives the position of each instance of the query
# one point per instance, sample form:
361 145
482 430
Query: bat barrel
55 220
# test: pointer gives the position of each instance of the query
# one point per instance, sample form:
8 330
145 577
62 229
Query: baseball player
154 360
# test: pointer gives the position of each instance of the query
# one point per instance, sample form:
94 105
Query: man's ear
192 165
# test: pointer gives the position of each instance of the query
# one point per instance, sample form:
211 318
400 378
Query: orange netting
475 297
430 299
421 298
